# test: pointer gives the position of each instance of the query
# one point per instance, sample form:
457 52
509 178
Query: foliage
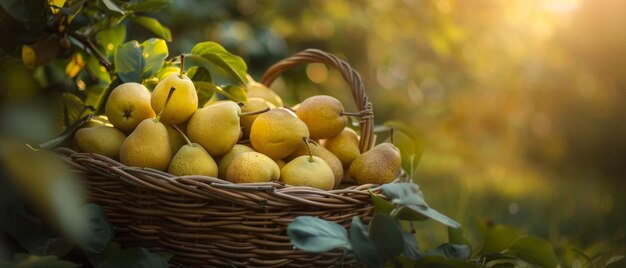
390 238
82 45
447 77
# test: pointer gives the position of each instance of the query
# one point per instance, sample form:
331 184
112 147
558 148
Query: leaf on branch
534 250
111 6
154 26
100 232
135 62
211 53
312 234
111 38
362 245
73 9
453 251
411 248
411 145
387 236
24 11
409 195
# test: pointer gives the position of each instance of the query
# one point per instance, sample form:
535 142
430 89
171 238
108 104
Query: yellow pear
323 115
281 163
253 104
215 127
308 170
227 158
252 167
101 140
379 165
258 90
128 105
183 103
149 144
176 138
317 150
192 159
345 146
277 133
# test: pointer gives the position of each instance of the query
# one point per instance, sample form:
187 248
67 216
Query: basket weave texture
209 222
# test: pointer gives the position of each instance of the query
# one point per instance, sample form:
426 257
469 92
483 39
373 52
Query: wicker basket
208 222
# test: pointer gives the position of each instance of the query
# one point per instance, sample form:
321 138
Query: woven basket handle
352 77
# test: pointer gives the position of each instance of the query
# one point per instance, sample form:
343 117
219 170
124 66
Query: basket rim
350 75
262 195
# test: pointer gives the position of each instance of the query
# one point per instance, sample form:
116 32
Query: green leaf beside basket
316 235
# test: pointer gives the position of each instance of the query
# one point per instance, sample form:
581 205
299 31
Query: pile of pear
257 141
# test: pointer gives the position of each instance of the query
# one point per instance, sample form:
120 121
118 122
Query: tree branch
93 50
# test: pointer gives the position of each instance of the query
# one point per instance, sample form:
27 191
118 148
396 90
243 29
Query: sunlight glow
561 6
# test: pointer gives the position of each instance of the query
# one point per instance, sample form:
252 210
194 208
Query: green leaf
316 235
96 97
534 250
453 251
154 52
362 245
387 236
226 61
235 93
206 90
135 62
410 143
111 38
98 71
199 73
385 207
73 9
411 248
25 228
455 236
498 258
111 6
409 195
24 10
148 5
73 107
497 237
134 257
97 258
154 26
100 231
129 62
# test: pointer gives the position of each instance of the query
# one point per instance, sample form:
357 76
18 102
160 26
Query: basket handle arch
351 76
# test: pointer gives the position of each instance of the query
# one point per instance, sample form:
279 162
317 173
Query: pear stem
350 114
255 112
182 65
306 142
167 101
183 134
391 135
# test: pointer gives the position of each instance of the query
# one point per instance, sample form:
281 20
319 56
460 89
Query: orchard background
519 105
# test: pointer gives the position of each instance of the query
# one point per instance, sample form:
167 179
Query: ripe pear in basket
210 222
